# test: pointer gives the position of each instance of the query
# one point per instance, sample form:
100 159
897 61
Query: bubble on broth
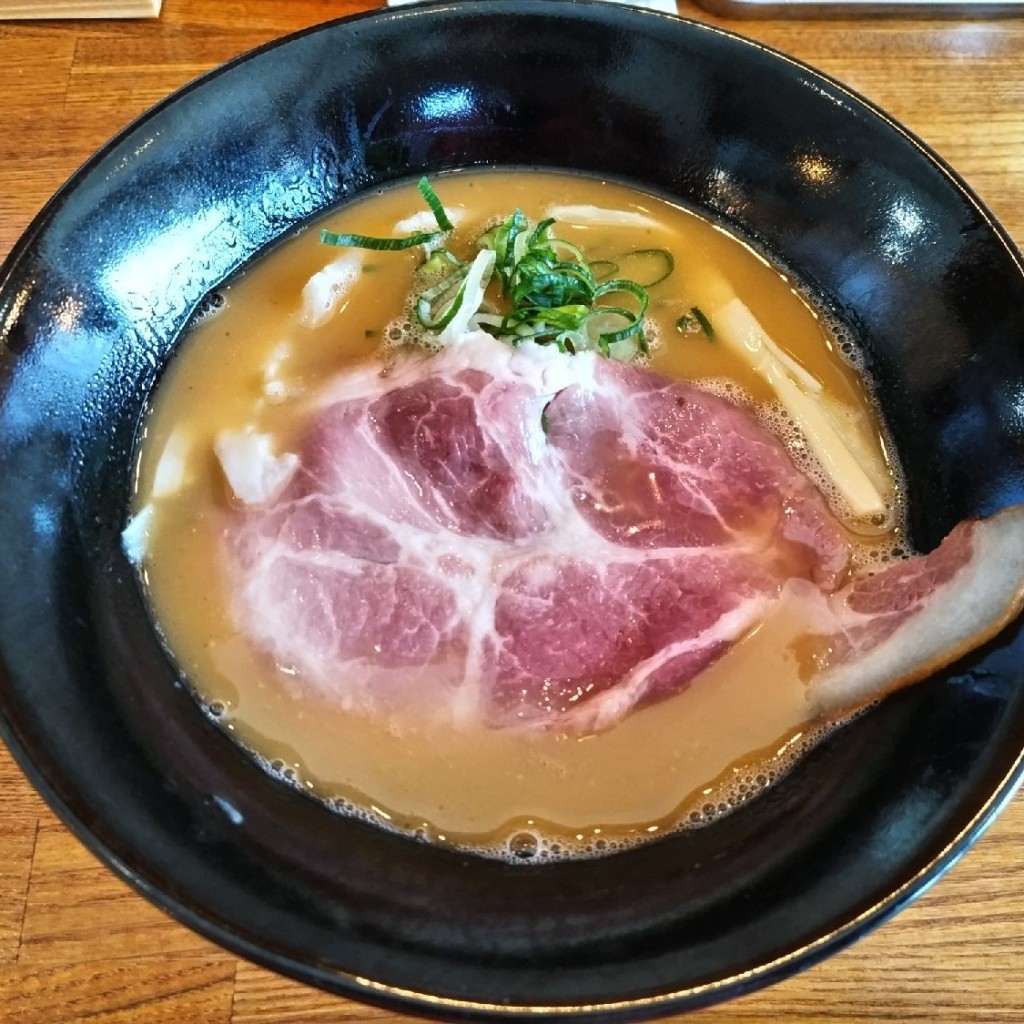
524 845
730 390
217 709
535 844
402 331
209 306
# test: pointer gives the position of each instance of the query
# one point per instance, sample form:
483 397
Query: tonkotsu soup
306 322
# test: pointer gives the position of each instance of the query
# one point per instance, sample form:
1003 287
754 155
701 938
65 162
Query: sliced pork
898 626
527 538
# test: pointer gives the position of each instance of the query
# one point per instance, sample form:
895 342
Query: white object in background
14 9
668 6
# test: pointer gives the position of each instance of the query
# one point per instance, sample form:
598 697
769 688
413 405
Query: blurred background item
668 6
858 8
11 10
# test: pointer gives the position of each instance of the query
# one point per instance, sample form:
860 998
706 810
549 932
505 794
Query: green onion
613 268
552 294
437 305
382 244
430 196
438 325
705 323
667 259
502 240
440 261
395 244
695 320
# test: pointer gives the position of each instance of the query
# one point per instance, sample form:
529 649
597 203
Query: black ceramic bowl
93 301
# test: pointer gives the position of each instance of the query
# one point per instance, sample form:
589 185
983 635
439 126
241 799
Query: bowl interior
93 301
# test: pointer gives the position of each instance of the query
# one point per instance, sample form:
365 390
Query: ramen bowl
94 299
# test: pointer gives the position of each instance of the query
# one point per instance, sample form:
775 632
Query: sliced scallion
552 294
607 268
436 306
667 260
381 244
440 261
705 323
694 321
430 198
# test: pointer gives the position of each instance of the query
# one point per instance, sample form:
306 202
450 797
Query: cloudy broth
519 794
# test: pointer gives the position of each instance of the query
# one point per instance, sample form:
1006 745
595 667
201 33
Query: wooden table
77 944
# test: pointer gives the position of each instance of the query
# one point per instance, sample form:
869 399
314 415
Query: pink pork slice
525 538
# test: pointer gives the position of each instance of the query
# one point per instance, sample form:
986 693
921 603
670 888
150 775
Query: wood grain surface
76 944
